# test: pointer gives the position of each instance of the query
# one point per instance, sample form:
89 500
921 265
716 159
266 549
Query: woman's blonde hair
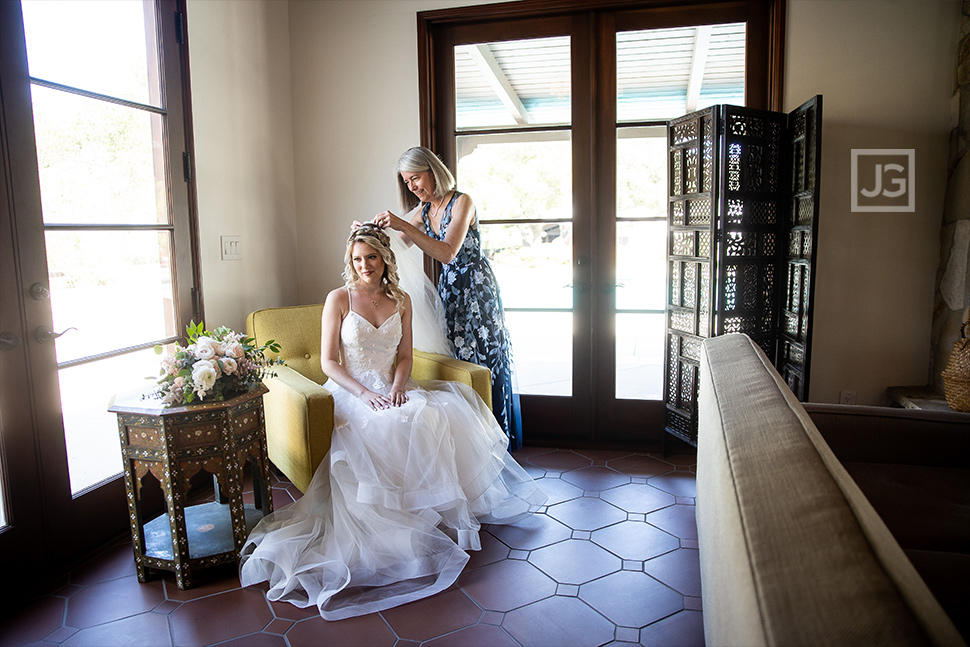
375 237
420 160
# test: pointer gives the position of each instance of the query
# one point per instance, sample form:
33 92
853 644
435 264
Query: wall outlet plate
846 397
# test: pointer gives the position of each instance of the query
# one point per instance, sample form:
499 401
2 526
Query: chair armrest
299 424
431 366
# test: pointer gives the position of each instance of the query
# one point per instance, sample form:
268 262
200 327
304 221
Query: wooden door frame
53 528
594 128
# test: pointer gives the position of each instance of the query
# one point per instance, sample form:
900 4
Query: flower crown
369 229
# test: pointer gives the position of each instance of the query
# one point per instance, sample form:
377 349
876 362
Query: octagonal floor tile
603 456
678 520
679 569
641 465
112 600
683 629
475 636
631 598
287 611
574 561
677 483
533 532
256 640
522 454
561 460
240 612
635 540
136 631
38 620
205 582
533 471
559 490
116 561
438 615
492 550
595 478
361 631
586 513
638 498
506 585
680 460
559 621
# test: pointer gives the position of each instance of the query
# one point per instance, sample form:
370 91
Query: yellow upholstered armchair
299 411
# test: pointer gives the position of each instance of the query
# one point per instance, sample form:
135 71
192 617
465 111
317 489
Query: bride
411 473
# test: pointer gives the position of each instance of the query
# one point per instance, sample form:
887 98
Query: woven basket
956 376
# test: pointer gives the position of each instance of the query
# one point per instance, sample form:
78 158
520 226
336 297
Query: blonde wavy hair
375 237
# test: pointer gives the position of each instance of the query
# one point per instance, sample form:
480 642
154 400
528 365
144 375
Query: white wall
240 71
885 70
355 110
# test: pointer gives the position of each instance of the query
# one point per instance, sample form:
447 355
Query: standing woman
442 222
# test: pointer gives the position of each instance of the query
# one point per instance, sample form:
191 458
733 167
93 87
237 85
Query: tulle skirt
393 507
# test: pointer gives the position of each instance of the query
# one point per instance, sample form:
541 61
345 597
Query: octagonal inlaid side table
174 444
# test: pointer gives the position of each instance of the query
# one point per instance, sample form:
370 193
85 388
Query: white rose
235 350
204 348
229 365
204 376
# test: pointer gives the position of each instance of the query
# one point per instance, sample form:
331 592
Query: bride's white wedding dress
400 497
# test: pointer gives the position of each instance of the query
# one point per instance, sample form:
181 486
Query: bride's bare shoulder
338 298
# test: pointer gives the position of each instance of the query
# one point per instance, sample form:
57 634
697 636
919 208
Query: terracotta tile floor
612 560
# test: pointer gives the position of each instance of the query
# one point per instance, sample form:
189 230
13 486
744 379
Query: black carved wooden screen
742 219
691 220
752 207
804 133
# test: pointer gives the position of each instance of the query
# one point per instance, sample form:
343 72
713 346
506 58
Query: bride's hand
398 397
375 401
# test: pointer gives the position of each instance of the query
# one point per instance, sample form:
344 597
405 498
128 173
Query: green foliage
216 364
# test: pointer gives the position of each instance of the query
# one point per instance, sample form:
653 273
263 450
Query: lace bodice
367 352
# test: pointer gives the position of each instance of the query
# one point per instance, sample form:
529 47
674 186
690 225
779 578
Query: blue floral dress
476 320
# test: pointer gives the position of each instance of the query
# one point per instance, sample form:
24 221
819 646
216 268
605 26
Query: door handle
40 292
579 287
8 341
43 334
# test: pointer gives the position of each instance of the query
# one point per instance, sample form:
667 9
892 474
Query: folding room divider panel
742 224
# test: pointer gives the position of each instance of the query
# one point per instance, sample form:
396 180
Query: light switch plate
231 248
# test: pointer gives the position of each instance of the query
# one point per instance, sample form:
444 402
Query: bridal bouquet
215 364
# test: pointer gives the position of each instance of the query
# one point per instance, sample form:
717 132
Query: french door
553 117
96 241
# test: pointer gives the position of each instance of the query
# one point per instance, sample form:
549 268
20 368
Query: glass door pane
512 83
665 73
641 234
522 188
100 132
661 74
520 178
100 46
